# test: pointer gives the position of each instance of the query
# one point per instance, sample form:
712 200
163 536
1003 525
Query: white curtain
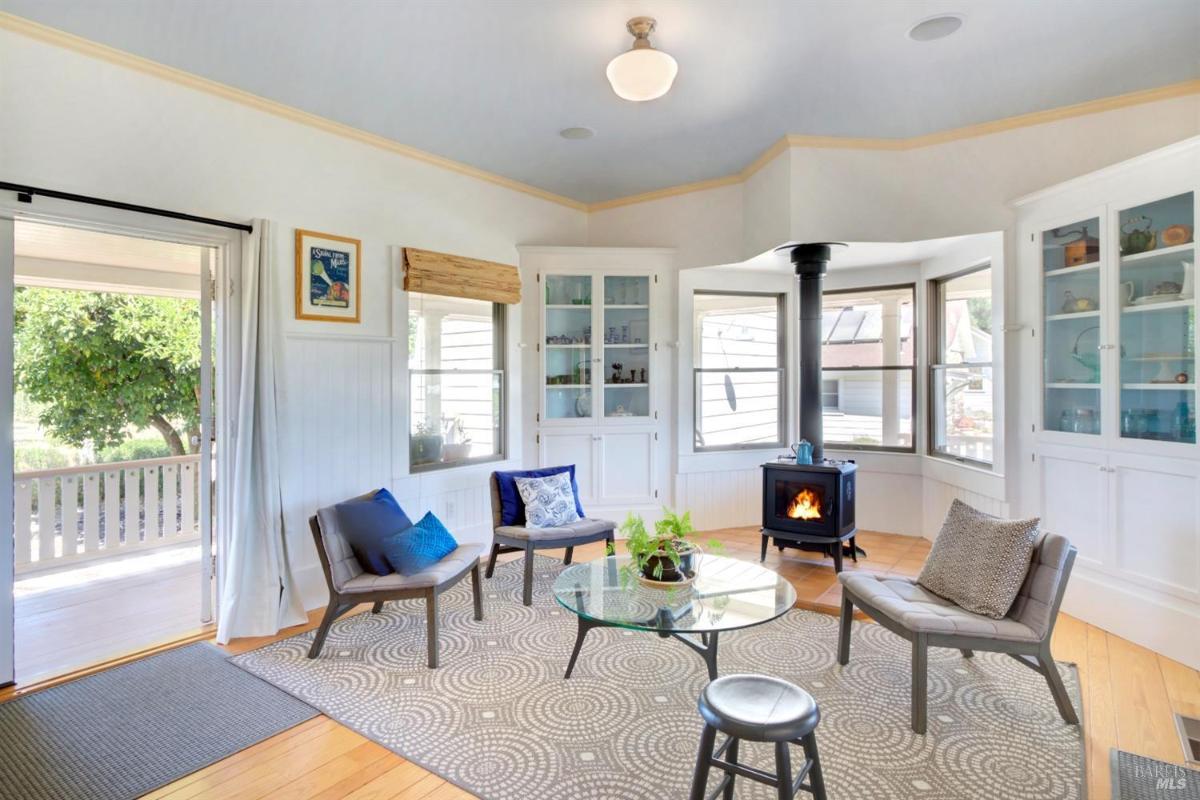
259 595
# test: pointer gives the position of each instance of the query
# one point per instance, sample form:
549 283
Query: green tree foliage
99 363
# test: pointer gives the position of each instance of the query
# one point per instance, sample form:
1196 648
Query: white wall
94 128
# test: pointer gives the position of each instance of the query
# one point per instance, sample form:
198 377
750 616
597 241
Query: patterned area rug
498 719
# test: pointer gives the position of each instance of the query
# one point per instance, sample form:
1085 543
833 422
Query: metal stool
758 708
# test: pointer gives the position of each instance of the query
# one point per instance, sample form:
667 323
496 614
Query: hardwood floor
1129 693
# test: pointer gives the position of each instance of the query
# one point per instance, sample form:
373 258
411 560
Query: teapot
803 451
1135 239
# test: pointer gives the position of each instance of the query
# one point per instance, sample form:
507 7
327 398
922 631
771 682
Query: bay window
961 417
738 373
868 363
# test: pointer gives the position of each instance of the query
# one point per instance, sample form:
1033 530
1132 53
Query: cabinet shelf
1069 385
581 346
1166 305
626 344
1162 387
571 306
1081 269
1151 255
623 305
568 386
626 385
1074 315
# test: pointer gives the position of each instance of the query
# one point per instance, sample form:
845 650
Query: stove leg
837 556
763 555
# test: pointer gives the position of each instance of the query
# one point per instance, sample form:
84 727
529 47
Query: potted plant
425 444
667 555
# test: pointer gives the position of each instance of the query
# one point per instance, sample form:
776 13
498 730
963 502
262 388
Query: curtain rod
25 194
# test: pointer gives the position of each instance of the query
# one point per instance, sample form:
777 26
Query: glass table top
727 594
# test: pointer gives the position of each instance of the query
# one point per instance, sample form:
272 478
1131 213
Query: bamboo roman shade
459 276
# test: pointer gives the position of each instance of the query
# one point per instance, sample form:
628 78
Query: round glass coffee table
726 594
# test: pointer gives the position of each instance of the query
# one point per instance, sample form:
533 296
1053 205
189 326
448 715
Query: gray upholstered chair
926 620
349 584
519 539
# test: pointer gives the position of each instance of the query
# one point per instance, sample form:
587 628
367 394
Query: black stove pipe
811 260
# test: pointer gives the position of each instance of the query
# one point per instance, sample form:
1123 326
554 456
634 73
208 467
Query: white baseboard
1164 625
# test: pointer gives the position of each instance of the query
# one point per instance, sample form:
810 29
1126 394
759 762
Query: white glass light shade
642 74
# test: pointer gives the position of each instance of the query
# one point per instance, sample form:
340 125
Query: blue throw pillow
512 508
367 524
419 547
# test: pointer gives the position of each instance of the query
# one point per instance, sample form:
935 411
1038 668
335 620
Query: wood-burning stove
810 505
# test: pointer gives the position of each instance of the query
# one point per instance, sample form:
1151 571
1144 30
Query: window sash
880 448
500 451
938 435
937 439
698 397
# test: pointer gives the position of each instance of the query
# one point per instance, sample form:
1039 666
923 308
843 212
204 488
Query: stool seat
759 708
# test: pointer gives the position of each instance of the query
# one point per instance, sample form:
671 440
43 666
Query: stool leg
783 770
816 780
731 755
703 760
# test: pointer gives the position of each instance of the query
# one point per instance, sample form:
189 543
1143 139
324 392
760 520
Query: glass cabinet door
1156 291
1071 259
568 346
626 364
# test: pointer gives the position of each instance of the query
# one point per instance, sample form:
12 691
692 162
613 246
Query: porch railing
102 510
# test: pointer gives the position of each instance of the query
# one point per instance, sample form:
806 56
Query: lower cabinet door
1156 521
1074 491
625 462
576 447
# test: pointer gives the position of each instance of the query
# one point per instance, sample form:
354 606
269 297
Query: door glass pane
1071 274
1158 320
626 346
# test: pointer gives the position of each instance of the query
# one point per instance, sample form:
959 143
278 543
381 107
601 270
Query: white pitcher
1189 281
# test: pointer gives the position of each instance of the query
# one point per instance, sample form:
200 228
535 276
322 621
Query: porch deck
86 613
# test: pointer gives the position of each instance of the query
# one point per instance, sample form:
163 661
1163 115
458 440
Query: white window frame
780 369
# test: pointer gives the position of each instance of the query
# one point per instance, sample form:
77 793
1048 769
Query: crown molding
785 143
112 55
801 141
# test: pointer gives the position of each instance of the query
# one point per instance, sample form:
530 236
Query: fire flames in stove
805 505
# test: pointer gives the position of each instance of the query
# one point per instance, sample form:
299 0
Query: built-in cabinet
601 366
1108 312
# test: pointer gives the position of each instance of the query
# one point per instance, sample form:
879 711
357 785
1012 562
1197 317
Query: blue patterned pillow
420 547
549 501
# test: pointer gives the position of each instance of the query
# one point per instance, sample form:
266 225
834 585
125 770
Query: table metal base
706 647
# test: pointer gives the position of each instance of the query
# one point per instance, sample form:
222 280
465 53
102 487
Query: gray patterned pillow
549 501
979 561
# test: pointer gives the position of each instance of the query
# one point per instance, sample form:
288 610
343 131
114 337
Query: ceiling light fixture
641 73
936 27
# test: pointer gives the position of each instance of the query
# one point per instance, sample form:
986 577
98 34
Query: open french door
7 563
208 269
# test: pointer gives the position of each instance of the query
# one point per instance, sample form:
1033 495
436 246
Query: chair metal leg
332 612
967 653
375 609
1054 680
703 759
816 779
431 626
527 594
847 619
477 592
491 567
567 557
920 682
783 771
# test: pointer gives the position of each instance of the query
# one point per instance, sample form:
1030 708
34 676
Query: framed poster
328 277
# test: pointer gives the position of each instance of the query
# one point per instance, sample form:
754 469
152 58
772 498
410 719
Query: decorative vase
1188 288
